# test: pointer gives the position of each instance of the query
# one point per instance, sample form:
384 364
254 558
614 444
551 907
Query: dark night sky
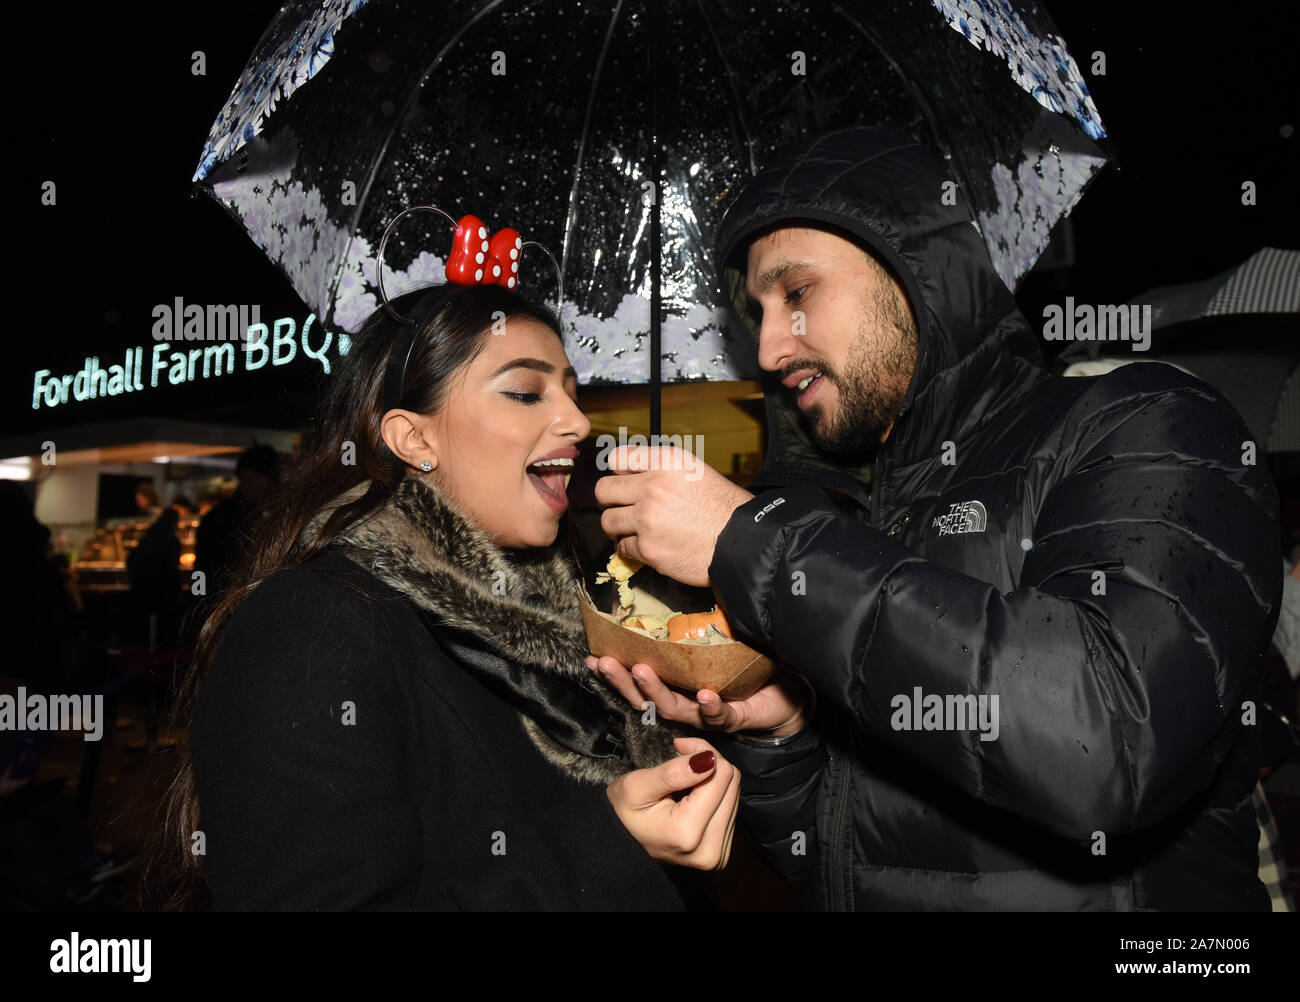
110 111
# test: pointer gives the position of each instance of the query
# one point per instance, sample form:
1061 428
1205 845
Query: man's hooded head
858 254
836 327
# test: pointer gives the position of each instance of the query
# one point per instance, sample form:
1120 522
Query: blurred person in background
222 532
146 500
38 617
154 569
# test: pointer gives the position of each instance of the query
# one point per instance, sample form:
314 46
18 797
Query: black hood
887 192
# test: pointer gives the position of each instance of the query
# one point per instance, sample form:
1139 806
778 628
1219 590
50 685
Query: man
1033 641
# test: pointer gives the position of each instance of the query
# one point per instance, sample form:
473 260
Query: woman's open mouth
548 477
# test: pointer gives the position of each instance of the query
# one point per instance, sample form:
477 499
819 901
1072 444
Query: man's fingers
629 548
615 490
634 458
615 522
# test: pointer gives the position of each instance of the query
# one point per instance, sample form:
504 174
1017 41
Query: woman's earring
425 465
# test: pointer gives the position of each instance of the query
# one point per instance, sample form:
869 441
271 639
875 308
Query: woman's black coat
345 760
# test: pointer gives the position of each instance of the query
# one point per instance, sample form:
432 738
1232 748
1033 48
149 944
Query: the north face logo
964 516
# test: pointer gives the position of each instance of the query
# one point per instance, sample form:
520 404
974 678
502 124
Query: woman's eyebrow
538 364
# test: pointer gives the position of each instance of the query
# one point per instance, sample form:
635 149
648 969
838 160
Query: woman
395 711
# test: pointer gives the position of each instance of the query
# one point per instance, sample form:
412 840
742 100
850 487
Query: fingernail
705 698
702 761
591 662
638 679
604 672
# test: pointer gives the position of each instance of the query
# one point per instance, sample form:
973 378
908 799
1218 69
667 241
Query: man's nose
777 341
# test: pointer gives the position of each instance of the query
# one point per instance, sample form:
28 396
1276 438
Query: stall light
16 469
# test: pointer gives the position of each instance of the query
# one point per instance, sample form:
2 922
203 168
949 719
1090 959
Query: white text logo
964 516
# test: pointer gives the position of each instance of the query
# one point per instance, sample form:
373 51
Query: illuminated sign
278 345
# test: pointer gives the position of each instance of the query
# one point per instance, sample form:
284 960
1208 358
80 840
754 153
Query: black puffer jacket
1096 553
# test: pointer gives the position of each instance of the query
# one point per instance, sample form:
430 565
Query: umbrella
1235 330
558 119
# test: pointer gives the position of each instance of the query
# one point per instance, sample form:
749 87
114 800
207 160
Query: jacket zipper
839 830
838 839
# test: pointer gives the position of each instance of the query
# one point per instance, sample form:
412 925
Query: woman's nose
571 419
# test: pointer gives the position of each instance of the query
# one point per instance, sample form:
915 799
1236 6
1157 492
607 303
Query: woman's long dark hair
349 415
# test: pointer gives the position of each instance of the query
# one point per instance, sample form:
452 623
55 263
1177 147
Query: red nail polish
702 761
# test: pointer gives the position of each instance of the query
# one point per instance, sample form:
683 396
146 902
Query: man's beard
871 389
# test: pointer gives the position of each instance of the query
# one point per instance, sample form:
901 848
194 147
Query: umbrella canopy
1267 282
1235 330
615 133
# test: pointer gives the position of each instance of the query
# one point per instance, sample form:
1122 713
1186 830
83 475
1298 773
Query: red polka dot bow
479 259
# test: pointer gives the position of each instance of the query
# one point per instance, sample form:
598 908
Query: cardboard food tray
733 671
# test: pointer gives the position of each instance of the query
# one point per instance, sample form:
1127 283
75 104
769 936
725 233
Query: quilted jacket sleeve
778 796
1134 694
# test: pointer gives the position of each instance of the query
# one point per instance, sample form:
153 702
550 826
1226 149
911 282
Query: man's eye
524 398
796 295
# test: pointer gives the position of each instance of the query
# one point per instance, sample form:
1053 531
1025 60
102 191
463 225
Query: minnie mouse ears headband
476 258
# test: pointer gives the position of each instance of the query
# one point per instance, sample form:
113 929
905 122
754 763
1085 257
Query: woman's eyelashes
528 399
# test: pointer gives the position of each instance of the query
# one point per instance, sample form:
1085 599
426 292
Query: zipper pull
897 527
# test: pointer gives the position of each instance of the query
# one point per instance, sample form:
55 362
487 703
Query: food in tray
639 611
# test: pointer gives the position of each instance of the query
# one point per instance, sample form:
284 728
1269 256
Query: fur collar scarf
514 620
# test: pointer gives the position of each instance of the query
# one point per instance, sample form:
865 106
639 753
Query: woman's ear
410 437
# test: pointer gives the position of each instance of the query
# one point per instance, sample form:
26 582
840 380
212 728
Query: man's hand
666 508
780 708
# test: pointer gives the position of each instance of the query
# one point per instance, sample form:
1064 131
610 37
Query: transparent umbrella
615 133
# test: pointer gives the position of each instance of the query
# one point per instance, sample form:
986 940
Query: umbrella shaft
656 255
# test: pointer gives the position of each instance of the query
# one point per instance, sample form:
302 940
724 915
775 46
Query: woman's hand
779 709
694 831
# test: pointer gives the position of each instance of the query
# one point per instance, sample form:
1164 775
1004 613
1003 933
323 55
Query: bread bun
695 625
